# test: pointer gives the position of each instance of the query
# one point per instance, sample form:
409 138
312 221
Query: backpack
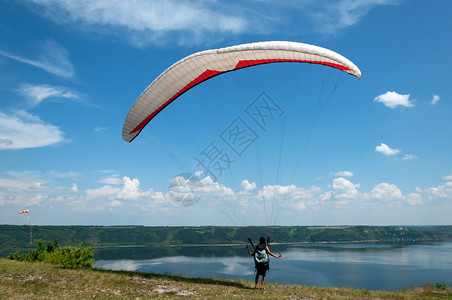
261 256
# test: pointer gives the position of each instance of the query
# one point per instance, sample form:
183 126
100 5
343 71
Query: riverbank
22 280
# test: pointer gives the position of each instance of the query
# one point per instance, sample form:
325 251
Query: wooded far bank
15 236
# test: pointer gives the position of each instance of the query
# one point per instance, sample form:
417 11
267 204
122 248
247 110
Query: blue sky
374 151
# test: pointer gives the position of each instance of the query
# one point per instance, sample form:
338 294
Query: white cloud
393 99
185 190
112 197
384 149
435 99
23 188
59 174
20 198
36 188
38 93
15 184
100 129
247 186
131 189
269 191
116 203
414 199
409 157
331 16
22 130
31 188
114 180
447 177
211 188
344 174
53 58
74 188
287 197
386 192
344 189
106 191
5 142
443 191
144 22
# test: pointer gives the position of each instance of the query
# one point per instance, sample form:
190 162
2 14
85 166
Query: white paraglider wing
198 67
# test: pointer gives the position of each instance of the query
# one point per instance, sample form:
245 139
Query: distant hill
446 229
15 237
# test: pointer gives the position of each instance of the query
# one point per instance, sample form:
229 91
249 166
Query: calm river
367 266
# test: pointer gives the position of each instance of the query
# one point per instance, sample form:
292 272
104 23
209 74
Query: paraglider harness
261 257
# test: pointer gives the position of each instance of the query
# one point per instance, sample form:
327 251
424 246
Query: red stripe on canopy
211 73
249 63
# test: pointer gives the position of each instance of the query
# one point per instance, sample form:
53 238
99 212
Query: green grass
38 280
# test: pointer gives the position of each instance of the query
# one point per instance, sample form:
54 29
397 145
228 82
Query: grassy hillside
14 237
23 280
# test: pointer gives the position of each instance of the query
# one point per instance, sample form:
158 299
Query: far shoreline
387 242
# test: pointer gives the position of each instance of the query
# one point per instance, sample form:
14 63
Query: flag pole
31 234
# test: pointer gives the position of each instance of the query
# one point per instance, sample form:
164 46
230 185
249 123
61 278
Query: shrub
69 257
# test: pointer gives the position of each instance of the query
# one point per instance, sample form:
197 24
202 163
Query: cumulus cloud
393 99
21 130
384 149
185 190
447 177
287 197
52 58
409 157
414 199
106 192
344 189
215 189
443 191
247 186
270 191
32 188
23 188
131 189
386 192
74 188
35 188
107 196
435 99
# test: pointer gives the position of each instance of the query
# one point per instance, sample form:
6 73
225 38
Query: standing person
261 260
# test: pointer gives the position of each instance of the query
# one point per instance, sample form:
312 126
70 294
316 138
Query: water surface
367 266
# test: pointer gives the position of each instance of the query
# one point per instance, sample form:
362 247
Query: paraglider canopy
200 66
